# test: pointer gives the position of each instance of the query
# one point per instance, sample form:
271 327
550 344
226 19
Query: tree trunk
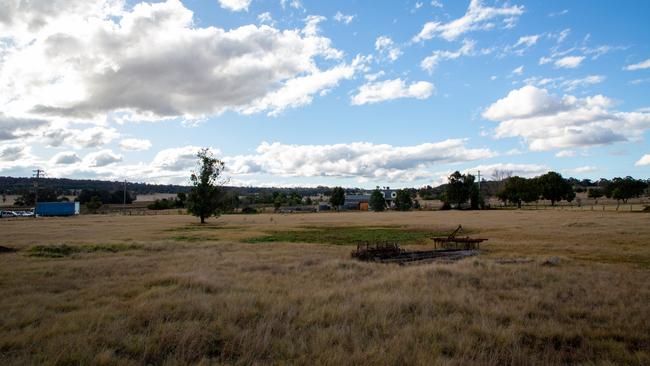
202 219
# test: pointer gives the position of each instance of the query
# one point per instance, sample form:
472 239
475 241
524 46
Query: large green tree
403 200
555 188
624 188
204 199
518 190
459 188
337 199
377 202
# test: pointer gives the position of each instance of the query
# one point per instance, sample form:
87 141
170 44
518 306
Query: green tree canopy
377 202
459 188
403 200
204 198
555 188
337 199
518 190
624 188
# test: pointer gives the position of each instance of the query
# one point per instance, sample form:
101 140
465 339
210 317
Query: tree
377 202
624 188
518 190
181 199
94 204
337 199
28 198
555 188
459 188
204 198
595 193
403 201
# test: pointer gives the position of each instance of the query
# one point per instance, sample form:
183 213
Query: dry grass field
282 289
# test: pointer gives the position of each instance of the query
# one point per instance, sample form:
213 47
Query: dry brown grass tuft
227 302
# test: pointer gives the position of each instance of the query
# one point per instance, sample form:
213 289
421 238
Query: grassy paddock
230 302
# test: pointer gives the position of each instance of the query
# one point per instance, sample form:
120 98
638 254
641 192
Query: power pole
479 181
37 174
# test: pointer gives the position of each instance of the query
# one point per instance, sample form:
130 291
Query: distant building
361 201
356 202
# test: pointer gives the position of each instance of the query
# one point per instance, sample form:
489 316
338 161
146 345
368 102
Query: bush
248 210
445 206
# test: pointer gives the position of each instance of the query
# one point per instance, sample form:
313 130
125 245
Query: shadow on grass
64 250
348 236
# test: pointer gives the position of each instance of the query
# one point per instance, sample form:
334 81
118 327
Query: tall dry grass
170 302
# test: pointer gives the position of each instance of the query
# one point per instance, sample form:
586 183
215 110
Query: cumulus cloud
354 160
387 47
477 17
569 62
65 158
342 18
375 92
546 121
235 5
430 62
135 144
89 59
645 160
101 158
177 159
13 152
638 66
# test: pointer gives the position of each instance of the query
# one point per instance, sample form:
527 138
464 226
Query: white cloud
265 18
89 60
235 5
356 160
342 18
392 89
546 122
101 158
430 62
645 160
436 4
296 4
65 158
477 17
386 46
177 159
527 41
522 170
565 154
569 62
583 169
638 66
519 70
570 85
135 144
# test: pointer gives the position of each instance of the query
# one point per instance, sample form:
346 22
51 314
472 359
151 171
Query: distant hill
13 185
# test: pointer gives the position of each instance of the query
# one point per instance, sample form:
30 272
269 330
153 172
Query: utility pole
37 174
479 181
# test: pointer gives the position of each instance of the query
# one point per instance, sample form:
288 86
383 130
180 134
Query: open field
269 289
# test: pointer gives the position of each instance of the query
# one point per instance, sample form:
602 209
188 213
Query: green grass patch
192 239
64 250
204 227
349 236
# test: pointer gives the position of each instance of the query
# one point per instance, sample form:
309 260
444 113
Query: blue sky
353 93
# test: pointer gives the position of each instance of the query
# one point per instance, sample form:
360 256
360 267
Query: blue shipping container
57 208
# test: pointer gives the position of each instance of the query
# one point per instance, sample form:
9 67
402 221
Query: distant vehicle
7 214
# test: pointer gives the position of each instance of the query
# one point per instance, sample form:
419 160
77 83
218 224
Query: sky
357 93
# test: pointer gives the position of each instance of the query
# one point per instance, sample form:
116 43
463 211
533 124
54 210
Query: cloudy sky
342 92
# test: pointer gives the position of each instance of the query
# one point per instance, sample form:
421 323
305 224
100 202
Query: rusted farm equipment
392 253
452 241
